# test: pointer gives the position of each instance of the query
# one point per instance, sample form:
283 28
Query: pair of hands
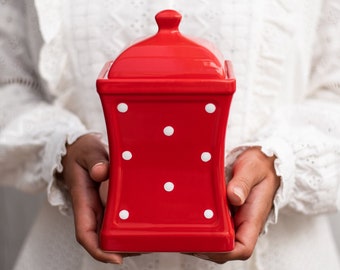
251 191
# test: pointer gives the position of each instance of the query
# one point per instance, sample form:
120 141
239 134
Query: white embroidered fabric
288 91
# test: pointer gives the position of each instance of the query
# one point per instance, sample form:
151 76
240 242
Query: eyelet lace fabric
286 102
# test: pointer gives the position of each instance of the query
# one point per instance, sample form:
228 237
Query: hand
251 191
84 166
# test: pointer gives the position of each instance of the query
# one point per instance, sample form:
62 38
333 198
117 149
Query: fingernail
99 163
117 261
239 193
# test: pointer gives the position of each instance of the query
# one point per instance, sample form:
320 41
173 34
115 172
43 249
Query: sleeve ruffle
32 146
309 174
305 140
56 192
284 167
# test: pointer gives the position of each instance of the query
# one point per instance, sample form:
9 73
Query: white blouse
286 60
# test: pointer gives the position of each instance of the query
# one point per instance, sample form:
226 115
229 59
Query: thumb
238 190
92 156
246 174
251 167
99 171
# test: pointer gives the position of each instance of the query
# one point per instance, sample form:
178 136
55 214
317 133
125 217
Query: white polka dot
122 107
168 131
210 108
127 155
124 214
208 214
169 186
206 156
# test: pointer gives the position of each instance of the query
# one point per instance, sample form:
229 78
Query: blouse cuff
57 193
284 165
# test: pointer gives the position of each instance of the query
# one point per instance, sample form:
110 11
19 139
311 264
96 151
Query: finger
91 246
245 241
251 217
93 157
241 184
99 171
248 171
242 251
249 221
90 242
88 213
103 190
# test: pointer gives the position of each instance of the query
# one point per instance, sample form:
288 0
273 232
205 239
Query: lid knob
168 54
168 20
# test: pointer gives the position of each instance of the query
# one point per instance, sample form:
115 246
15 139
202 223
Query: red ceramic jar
166 101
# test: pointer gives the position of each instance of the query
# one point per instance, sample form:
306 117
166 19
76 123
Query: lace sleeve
306 136
33 131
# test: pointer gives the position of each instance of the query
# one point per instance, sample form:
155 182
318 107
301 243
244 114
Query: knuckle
221 261
79 238
247 253
244 183
218 258
97 256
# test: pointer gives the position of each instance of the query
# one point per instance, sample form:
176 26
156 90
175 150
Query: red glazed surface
166 101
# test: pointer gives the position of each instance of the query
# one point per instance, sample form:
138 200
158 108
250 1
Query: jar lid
169 54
